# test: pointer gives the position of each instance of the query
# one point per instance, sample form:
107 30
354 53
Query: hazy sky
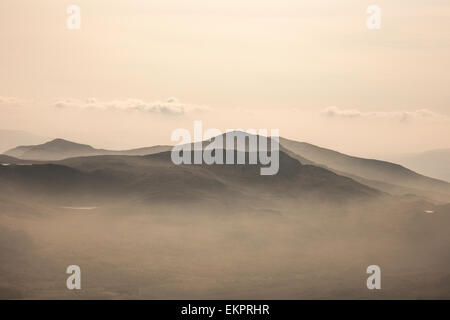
137 70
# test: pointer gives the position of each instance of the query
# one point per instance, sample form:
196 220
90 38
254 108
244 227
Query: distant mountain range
383 175
154 178
59 149
334 172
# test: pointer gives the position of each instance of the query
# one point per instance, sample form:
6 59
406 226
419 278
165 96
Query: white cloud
336 112
171 106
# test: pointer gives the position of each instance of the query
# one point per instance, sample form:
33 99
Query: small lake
79 208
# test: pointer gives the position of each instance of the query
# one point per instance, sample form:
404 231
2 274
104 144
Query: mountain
185 219
382 175
154 178
12 138
52 150
7 160
58 149
433 163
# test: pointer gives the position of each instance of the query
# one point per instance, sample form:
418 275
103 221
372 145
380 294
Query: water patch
79 208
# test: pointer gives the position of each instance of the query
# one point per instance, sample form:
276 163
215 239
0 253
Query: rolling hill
433 163
382 175
58 149
11 138
155 178
144 210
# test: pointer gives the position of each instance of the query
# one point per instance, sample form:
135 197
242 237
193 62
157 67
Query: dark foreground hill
155 178
382 175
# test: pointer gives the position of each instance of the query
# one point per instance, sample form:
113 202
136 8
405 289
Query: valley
141 227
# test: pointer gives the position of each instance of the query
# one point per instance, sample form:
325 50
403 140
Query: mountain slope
58 149
12 138
55 149
382 175
53 180
434 163
367 169
6 160
155 178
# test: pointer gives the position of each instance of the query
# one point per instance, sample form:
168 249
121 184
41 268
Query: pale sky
137 70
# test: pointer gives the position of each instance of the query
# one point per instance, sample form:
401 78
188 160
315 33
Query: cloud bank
336 112
171 106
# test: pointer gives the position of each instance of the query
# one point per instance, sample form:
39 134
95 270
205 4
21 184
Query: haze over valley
133 149
143 227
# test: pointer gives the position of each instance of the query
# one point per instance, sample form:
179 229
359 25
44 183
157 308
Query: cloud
336 112
170 106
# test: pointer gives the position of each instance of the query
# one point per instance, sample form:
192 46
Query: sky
137 70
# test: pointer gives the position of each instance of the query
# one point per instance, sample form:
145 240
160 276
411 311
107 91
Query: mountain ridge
377 174
58 149
155 178
370 171
434 163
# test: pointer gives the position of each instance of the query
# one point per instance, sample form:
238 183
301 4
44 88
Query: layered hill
58 149
382 175
155 178
12 138
433 163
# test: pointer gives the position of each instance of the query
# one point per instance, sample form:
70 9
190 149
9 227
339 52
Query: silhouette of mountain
53 180
6 160
155 177
382 175
173 212
433 163
58 149
11 138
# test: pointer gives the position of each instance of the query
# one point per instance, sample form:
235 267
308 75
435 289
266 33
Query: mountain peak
52 150
60 140
63 142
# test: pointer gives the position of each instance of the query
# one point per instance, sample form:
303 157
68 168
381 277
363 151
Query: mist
191 251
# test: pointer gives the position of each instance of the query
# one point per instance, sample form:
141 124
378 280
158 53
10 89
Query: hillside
156 178
433 163
58 149
386 176
370 171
